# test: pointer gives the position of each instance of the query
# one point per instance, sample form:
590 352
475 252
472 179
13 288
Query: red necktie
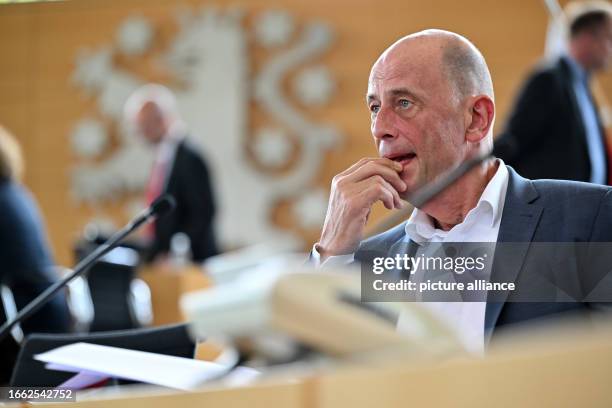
156 182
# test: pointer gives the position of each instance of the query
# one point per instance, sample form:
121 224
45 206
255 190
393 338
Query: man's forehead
386 69
391 75
150 107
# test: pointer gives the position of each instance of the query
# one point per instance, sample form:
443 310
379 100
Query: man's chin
413 177
413 187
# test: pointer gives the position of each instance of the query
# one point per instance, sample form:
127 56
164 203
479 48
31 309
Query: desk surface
567 371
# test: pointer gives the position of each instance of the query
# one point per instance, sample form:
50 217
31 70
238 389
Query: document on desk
96 360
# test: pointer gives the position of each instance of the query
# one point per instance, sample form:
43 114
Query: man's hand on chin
353 193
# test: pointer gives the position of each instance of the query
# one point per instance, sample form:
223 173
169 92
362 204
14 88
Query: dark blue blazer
545 137
534 211
25 259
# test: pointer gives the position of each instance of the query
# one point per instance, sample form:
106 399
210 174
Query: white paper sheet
167 371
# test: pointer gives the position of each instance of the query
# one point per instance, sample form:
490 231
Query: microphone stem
79 269
428 192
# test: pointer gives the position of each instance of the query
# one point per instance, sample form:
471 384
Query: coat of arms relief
209 64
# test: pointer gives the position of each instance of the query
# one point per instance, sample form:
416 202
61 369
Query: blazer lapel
520 217
402 247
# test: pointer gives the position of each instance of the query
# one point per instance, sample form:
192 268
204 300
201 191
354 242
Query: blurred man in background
554 130
179 170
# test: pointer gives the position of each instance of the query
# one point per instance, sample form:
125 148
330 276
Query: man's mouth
402 159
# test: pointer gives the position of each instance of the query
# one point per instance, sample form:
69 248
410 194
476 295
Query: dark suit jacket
189 182
534 211
545 136
25 259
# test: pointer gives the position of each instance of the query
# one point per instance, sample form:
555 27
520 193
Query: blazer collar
518 224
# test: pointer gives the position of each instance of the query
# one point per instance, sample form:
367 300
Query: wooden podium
558 370
167 285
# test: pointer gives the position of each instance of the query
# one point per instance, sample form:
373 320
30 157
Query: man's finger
376 188
376 192
376 168
397 201
362 162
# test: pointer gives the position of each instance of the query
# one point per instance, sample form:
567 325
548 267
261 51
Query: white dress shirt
481 224
166 153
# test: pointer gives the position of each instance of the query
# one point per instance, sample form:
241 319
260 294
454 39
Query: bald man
179 170
431 102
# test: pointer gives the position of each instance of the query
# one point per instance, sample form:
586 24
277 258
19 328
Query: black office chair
109 285
169 340
120 300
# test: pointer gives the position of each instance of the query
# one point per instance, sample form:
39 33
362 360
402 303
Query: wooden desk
574 377
574 372
285 395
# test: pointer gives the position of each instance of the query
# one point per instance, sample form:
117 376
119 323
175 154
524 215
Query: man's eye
405 103
374 108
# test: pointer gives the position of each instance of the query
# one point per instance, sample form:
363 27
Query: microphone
431 190
160 207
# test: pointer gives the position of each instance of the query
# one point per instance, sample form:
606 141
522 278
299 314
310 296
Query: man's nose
383 125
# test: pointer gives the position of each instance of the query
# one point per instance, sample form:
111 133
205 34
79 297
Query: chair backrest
109 285
109 282
169 340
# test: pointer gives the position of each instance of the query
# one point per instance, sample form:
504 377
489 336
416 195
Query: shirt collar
420 228
167 146
577 70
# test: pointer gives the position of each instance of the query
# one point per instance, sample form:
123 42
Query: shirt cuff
331 261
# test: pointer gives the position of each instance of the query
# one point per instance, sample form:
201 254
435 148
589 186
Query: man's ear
479 118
